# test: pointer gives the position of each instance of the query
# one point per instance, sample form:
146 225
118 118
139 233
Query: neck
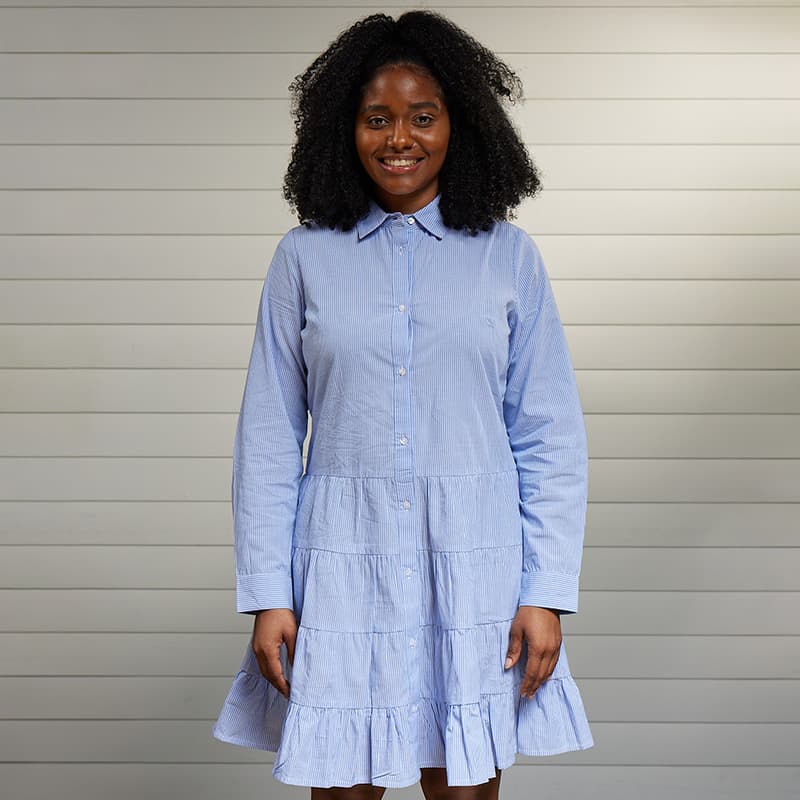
405 204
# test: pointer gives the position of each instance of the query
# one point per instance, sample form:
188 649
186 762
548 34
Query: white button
412 642
414 707
402 250
402 370
408 572
403 440
401 307
411 220
406 504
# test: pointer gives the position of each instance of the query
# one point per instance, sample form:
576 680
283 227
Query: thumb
514 647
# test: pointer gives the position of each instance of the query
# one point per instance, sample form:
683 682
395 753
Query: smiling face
402 130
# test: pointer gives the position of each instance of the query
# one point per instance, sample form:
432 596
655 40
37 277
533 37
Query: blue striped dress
445 485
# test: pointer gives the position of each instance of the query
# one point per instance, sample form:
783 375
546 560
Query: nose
399 135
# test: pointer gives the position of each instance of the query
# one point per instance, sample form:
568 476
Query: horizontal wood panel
649 616
186 391
681 480
142 522
679 347
678 569
667 435
608 700
620 302
190 741
258 121
751 480
712 569
257 212
670 393
246 781
221 302
397 5
211 435
578 166
598 347
271 28
643 256
578 76
608 524
675 391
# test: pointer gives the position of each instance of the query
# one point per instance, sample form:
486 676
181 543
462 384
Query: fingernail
508 662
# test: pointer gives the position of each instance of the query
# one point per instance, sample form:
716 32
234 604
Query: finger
274 663
263 665
544 671
290 640
532 671
271 669
514 648
553 662
546 667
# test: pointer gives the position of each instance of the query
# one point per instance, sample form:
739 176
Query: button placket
404 479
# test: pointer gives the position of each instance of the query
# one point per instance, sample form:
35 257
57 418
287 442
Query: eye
425 116
372 120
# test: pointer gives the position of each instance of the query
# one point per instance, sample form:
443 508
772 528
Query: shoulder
309 239
311 231
524 242
521 249
531 279
502 238
303 240
513 240
283 276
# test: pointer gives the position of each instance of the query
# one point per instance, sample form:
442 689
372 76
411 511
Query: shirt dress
445 486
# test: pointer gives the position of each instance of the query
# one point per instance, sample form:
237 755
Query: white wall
141 156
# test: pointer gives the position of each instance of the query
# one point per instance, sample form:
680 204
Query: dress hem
556 699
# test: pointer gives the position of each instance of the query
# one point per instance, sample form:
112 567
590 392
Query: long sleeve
268 445
545 425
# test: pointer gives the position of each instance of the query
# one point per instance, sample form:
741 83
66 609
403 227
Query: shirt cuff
549 590
262 591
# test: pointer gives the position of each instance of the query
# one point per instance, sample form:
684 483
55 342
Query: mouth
399 165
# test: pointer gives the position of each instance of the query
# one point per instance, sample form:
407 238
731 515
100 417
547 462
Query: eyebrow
379 107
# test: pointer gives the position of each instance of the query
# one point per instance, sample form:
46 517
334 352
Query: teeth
397 162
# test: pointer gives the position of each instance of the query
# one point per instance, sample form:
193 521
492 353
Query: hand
271 628
541 627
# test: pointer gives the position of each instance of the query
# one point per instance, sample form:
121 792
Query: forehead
404 84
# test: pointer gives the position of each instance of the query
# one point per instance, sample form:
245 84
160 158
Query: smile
400 165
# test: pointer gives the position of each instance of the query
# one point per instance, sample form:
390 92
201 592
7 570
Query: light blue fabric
445 485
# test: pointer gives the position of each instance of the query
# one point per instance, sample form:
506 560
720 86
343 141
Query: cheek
363 152
446 142
440 143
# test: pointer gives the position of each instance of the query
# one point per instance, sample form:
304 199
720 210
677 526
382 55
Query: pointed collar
429 217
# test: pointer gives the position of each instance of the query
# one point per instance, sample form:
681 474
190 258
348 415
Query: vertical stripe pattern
445 486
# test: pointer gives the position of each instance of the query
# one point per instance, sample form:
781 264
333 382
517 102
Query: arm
546 431
268 445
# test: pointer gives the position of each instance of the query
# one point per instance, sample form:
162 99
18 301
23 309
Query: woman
408 586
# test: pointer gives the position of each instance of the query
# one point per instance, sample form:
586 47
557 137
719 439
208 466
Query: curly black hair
487 169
